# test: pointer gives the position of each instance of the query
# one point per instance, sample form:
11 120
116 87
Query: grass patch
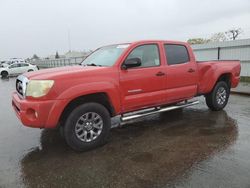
245 79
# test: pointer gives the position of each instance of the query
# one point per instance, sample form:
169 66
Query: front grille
19 86
15 106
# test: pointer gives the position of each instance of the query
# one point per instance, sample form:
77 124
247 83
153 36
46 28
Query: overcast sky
41 26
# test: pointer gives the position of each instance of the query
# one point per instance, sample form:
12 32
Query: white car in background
15 60
16 69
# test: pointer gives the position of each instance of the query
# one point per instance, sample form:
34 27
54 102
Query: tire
30 70
4 74
80 125
218 98
61 131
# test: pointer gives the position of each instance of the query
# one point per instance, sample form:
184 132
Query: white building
73 54
227 50
69 55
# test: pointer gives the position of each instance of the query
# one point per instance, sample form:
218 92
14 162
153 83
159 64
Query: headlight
38 88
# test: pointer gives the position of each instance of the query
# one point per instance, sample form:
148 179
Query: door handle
191 70
160 73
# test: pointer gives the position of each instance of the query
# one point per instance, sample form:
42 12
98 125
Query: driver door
143 86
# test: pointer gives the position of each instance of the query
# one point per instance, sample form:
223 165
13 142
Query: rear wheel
87 127
4 74
30 70
218 98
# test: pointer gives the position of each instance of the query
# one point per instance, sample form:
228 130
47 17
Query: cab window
149 55
176 54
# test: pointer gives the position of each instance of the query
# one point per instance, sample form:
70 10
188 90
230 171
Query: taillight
237 72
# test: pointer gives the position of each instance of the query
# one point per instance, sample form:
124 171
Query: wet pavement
193 147
242 88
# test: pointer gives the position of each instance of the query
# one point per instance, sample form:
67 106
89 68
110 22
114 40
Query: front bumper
37 114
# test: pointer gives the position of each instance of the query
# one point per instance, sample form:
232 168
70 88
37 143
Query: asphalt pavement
243 89
193 147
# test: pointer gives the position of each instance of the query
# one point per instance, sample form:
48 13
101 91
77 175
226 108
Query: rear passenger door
181 73
24 67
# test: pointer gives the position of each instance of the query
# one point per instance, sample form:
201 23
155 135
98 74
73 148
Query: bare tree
218 37
198 41
233 34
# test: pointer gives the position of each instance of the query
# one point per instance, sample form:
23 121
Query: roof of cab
148 41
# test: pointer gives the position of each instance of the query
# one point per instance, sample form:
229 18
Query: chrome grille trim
21 84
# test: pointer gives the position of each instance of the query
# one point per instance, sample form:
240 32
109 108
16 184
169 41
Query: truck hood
62 72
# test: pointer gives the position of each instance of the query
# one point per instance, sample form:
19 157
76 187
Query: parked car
15 60
130 80
16 69
4 65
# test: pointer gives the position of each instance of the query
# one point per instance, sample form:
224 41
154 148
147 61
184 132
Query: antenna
69 42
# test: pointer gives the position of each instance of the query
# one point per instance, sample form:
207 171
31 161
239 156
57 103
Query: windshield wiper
92 64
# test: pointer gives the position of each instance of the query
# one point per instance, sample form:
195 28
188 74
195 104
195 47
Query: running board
156 110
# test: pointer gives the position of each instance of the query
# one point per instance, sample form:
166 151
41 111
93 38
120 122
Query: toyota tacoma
130 80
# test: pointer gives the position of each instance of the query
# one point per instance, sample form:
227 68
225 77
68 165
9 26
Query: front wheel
4 74
218 98
87 127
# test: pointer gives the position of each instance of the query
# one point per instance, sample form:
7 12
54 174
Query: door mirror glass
132 62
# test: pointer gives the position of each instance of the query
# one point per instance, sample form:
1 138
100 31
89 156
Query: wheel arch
3 72
226 77
101 98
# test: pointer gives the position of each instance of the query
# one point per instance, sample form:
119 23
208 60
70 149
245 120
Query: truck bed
210 71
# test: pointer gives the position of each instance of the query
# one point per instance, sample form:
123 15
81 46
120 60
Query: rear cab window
176 54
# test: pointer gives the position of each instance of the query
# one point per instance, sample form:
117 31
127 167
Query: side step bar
134 115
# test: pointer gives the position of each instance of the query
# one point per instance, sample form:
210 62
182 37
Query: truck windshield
105 56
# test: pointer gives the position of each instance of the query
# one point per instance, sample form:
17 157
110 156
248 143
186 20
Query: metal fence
48 63
228 50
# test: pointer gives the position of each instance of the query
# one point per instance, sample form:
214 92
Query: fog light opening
32 114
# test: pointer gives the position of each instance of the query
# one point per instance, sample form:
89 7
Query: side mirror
130 63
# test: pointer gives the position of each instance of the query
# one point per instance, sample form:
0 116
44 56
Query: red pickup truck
131 80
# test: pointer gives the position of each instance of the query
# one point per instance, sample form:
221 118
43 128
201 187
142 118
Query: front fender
79 90
3 69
